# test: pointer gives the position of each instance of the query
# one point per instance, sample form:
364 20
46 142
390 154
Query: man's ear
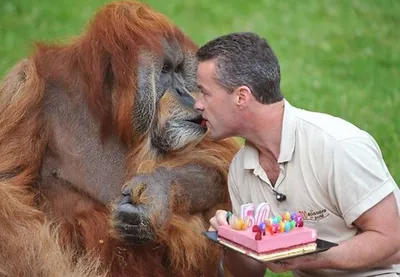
242 95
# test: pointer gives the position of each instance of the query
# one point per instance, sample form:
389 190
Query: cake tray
301 250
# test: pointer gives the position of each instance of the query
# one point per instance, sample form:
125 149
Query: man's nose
198 105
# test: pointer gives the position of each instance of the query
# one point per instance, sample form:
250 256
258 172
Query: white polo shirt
330 171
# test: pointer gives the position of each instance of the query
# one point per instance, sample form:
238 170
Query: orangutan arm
203 187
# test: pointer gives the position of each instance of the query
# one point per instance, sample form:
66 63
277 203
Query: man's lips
203 123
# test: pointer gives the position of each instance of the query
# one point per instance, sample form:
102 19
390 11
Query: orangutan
106 168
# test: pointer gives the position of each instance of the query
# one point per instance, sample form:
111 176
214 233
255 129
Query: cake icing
255 230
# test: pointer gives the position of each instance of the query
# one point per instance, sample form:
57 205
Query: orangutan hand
144 207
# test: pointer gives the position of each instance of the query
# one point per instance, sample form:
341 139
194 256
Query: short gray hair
245 59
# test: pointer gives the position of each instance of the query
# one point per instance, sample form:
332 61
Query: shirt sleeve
233 188
359 177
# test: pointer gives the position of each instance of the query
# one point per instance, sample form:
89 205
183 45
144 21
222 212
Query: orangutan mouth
199 121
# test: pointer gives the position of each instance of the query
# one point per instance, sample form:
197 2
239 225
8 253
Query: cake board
297 251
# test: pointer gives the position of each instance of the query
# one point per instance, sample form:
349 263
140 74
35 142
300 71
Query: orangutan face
165 104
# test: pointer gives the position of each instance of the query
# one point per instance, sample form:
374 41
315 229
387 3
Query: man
298 160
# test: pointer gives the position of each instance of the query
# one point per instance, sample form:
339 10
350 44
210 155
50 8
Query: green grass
339 57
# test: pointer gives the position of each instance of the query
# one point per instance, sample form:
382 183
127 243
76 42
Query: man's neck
265 129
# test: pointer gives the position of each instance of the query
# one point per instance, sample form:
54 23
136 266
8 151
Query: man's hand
238 264
220 218
308 261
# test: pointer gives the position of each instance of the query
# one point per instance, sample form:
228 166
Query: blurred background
337 56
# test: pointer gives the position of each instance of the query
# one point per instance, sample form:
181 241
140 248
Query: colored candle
275 228
281 227
287 226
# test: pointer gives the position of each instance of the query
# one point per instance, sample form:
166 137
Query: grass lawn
339 57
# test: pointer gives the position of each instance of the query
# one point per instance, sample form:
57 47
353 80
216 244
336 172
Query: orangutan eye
179 68
167 67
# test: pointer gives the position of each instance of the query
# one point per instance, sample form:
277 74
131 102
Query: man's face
215 103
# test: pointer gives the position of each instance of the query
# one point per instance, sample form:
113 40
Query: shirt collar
288 138
250 153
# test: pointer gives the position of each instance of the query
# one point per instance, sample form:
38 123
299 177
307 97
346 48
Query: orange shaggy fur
84 244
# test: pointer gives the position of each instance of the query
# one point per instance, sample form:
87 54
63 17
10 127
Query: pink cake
266 237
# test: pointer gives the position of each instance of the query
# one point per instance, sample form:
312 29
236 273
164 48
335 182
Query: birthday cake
257 234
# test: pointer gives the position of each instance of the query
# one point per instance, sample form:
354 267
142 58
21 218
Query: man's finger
213 223
212 229
221 217
276 267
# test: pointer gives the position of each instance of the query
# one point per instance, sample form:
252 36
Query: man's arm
394 259
378 245
378 241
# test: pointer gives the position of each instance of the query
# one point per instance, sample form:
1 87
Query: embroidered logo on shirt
314 215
